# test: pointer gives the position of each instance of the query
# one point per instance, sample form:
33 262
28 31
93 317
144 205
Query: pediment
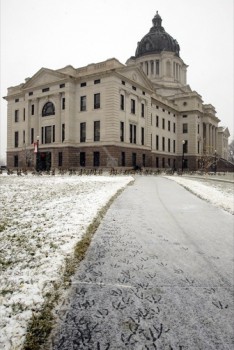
137 76
43 77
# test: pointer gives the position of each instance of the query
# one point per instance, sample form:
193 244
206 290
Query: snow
217 193
41 220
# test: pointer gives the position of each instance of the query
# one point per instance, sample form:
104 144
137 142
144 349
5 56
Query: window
30 93
32 109
82 132
16 100
32 135
169 125
96 158
133 106
157 162
132 133
97 131
133 159
163 123
23 136
143 160
198 128
83 84
157 121
62 86
60 158
163 143
16 139
122 131
83 103
16 116
123 82
185 116
157 67
185 128
122 158
122 102
143 111
169 145
134 88
143 92
82 158
24 115
169 162
49 131
16 161
142 136
96 101
48 109
163 162
45 89
97 81
198 147
63 103
174 146
63 132
185 146
184 103
157 142
174 127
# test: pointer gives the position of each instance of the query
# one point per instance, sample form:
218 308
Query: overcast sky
57 33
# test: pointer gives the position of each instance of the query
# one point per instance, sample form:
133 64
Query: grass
43 322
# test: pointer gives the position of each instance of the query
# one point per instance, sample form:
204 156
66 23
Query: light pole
182 168
38 156
215 161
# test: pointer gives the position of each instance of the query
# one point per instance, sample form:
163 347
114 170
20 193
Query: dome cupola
157 40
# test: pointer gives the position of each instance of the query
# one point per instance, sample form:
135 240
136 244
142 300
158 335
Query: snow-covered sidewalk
41 220
220 196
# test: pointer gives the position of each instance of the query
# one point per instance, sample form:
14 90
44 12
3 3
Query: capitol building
109 114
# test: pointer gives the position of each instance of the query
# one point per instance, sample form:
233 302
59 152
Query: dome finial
157 20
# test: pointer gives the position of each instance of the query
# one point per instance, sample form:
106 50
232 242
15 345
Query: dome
157 40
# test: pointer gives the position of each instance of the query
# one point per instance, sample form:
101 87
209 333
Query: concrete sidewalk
158 275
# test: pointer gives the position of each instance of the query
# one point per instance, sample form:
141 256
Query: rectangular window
16 139
42 135
62 86
48 134
97 131
96 101
96 158
16 116
198 128
185 146
134 88
163 123
45 89
157 67
97 81
169 125
122 131
169 145
169 162
123 82
133 106
122 158
60 159
24 115
174 127
174 146
16 161
132 133
157 121
82 158
82 132
83 84
142 136
134 159
122 102
198 147
63 103
23 136
63 132
30 93
185 128
163 143
163 162
16 100
83 103
143 110
185 116
157 162
32 109
32 135
157 142
143 160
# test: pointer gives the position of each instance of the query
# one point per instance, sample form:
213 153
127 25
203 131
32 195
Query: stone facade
112 115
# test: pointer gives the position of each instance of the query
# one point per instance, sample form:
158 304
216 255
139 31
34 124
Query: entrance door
44 161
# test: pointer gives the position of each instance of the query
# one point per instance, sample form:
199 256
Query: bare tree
208 162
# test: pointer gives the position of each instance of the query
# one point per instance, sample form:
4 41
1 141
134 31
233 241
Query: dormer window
48 109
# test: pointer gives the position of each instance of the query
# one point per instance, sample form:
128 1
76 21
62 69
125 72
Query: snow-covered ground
41 220
217 193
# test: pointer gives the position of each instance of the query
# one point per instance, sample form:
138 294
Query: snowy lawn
41 220
217 193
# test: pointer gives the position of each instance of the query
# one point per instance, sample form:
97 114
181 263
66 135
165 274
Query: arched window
48 109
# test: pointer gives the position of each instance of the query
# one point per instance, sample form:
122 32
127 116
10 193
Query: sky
57 33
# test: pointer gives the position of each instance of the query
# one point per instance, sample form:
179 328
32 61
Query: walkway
157 275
